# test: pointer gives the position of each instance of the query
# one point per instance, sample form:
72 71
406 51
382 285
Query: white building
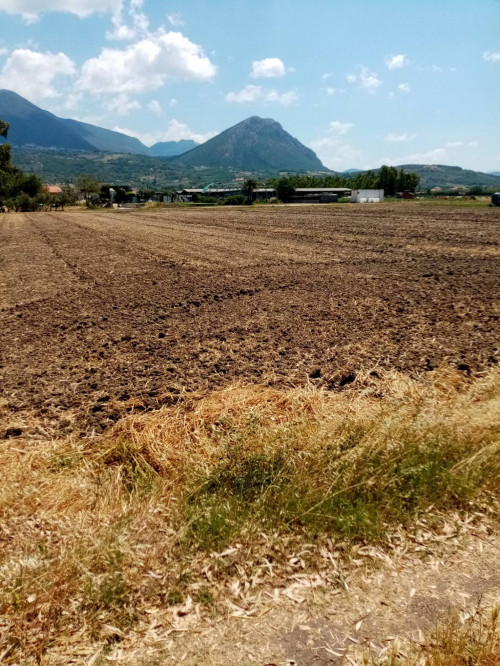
367 196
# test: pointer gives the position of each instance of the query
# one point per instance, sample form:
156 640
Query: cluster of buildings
302 194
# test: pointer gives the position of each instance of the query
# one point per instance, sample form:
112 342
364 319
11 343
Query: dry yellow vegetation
97 533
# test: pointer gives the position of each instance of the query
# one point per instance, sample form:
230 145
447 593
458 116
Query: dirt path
383 602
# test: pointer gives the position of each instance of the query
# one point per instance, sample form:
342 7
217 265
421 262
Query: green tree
69 195
388 180
407 182
285 190
18 188
5 157
248 188
4 128
88 186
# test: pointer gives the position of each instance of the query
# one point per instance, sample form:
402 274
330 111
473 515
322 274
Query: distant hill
444 176
30 125
254 144
59 149
494 173
447 177
142 171
171 148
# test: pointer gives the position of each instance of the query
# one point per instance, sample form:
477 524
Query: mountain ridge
448 177
253 144
31 125
172 148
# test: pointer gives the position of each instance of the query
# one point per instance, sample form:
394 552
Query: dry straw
172 507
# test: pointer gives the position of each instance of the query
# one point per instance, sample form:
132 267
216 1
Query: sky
361 82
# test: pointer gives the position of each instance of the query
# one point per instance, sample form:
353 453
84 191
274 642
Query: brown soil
104 312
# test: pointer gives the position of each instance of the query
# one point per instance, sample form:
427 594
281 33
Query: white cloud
334 91
400 138
268 68
32 74
175 20
396 61
404 87
454 144
155 107
326 76
473 143
72 100
3 51
175 132
491 56
430 156
285 99
366 80
337 128
29 18
333 150
435 69
145 65
122 105
31 9
173 102
247 94
251 93
139 23
90 119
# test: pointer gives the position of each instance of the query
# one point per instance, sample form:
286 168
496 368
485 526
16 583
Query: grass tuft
470 641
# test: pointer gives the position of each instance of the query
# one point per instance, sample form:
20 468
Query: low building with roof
319 194
53 189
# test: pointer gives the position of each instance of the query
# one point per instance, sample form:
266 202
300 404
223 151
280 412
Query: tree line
25 192
387 178
14 184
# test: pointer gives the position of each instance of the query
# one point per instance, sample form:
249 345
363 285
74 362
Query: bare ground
108 311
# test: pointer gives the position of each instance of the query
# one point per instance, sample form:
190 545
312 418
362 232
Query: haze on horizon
360 83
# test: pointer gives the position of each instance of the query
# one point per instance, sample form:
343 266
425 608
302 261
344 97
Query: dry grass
97 534
467 639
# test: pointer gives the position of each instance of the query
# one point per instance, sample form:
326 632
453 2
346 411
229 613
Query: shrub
235 200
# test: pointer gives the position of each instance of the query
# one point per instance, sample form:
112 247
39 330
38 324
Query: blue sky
362 82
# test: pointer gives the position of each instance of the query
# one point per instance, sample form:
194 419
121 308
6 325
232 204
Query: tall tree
284 190
88 185
4 128
248 188
388 180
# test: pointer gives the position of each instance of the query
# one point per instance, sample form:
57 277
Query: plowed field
108 311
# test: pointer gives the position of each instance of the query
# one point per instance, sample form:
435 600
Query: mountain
171 148
30 125
254 144
447 177
494 173
351 172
